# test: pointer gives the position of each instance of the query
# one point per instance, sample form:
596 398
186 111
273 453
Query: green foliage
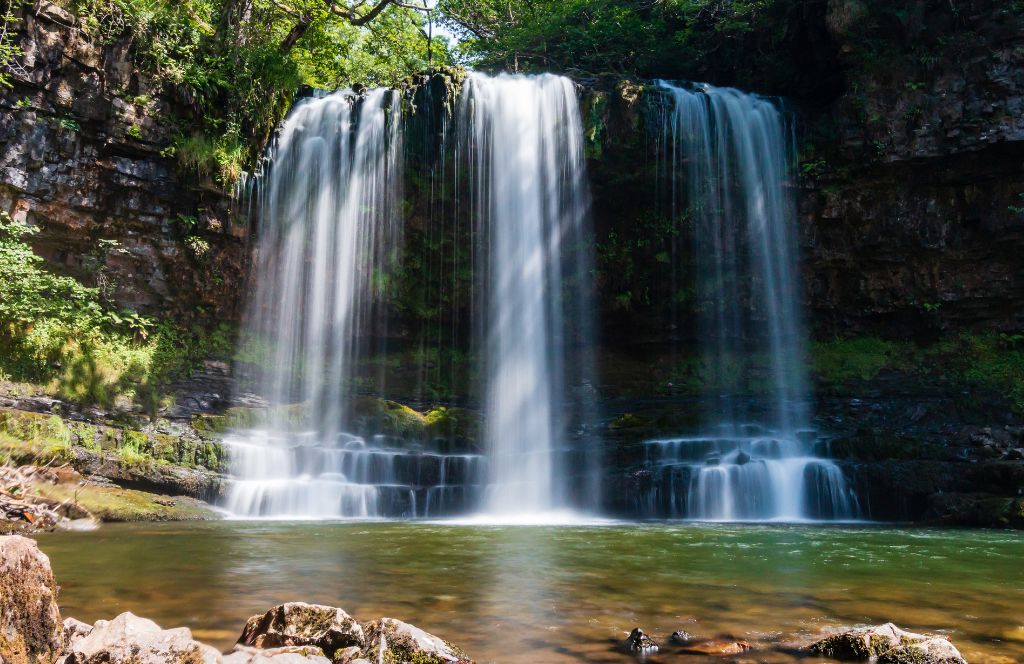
668 38
55 331
987 360
238 68
995 361
841 360
9 50
69 123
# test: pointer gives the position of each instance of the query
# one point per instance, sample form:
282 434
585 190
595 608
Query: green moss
450 422
839 361
627 421
996 361
110 503
38 438
594 108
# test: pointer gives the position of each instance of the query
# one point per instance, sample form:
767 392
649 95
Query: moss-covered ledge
162 457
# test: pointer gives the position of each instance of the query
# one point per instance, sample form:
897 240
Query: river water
557 594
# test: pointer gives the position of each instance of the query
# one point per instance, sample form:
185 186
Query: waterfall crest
727 155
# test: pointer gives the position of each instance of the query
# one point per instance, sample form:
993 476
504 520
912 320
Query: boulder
129 639
887 643
639 643
301 624
394 642
284 655
30 626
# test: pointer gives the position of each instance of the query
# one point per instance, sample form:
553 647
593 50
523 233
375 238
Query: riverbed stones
887 644
639 643
30 626
129 639
300 624
391 641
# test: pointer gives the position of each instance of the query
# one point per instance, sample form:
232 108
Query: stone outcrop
81 136
30 627
640 643
395 642
301 624
129 639
887 644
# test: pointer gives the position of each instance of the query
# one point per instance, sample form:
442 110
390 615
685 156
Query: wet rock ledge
32 632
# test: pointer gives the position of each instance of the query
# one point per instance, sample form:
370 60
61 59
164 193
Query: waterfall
329 230
531 199
727 155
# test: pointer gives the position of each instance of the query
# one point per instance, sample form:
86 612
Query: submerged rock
129 639
30 627
639 643
888 644
681 637
717 647
301 624
392 641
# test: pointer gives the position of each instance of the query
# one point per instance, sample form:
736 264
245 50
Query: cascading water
328 222
729 153
525 151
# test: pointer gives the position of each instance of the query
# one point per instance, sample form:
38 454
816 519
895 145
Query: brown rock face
81 133
30 627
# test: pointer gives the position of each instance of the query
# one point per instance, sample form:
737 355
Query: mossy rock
113 503
407 644
452 422
628 421
30 624
239 417
977 510
34 427
388 417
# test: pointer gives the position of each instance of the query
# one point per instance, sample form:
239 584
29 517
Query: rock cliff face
911 181
81 136
912 202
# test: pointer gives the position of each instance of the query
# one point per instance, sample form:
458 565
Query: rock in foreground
129 639
30 626
301 624
888 644
395 642
639 643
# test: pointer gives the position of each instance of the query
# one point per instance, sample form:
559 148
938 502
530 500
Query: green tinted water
548 594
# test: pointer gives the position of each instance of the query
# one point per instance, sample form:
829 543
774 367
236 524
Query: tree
358 13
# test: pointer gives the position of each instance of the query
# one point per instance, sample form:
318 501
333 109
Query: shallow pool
553 594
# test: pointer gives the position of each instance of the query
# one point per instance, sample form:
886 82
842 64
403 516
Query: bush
54 331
